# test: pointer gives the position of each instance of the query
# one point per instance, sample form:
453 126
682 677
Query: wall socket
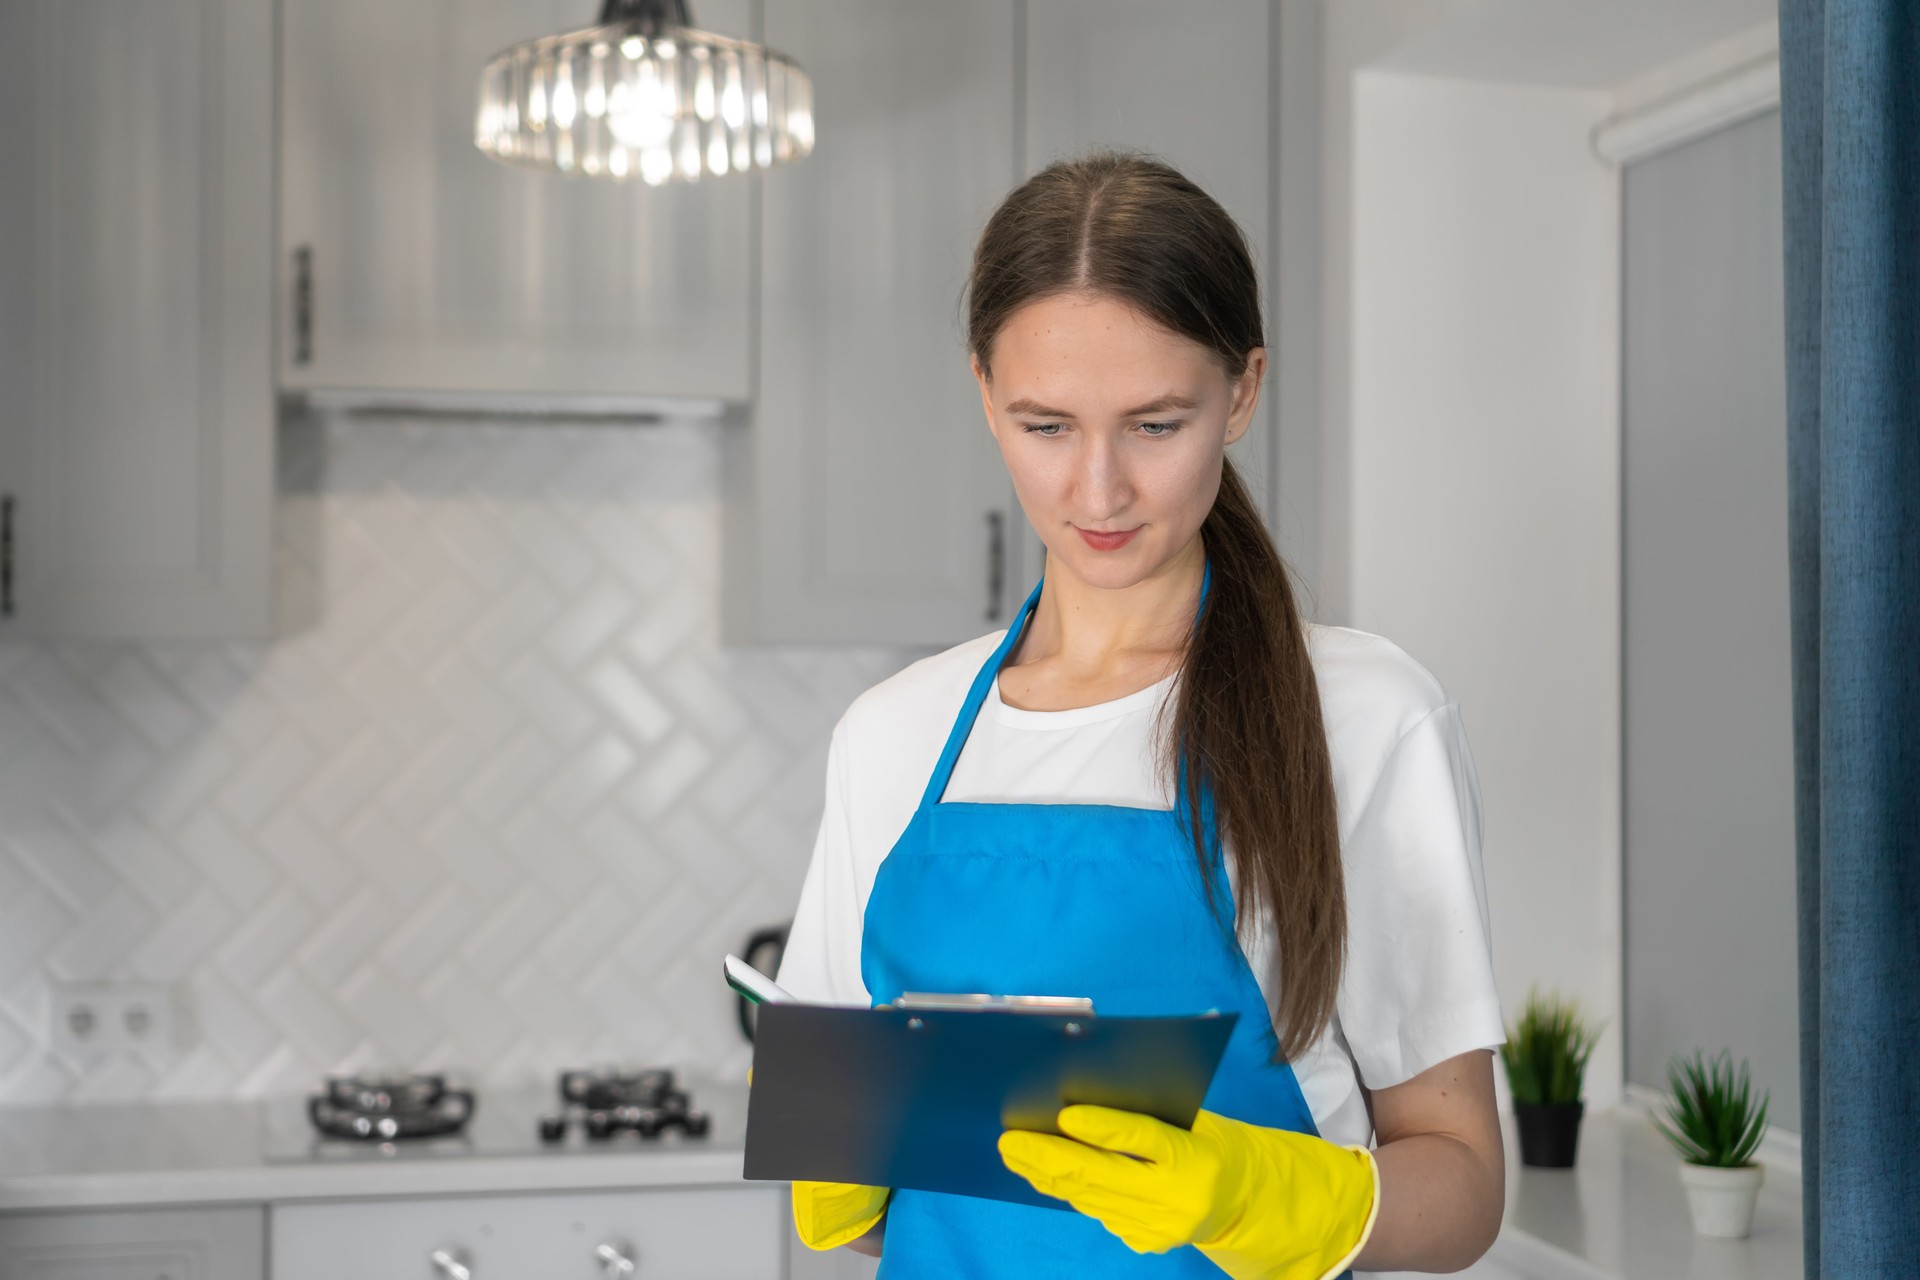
95 1021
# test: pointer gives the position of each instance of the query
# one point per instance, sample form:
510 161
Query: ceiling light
643 94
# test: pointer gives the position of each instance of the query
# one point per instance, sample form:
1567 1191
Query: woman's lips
1108 541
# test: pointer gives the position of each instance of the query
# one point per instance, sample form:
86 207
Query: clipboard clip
1026 1004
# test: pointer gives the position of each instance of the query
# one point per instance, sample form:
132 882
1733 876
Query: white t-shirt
1418 982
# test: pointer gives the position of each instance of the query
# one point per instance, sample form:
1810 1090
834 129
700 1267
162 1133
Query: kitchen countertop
1621 1213
99 1155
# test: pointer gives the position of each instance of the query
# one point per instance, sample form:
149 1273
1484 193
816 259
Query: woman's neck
1087 644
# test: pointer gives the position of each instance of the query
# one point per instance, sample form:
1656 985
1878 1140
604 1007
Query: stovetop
607 1104
363 1108
519 1121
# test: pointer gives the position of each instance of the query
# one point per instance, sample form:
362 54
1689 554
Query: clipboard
893 1097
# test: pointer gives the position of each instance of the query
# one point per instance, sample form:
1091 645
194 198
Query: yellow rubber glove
828 1214
1259 1202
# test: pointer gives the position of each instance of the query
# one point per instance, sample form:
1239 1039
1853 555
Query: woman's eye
1156 430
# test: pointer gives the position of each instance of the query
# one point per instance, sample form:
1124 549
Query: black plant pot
1549 1132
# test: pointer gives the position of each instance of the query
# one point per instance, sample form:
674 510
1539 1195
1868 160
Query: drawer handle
6 555
451 1263
996 563
614 1262
303 304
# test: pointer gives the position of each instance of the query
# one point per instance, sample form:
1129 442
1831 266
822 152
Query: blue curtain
1850 151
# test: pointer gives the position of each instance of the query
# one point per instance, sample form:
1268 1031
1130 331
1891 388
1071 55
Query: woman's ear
1246 394
986 392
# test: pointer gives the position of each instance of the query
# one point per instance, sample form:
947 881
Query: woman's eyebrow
1034 408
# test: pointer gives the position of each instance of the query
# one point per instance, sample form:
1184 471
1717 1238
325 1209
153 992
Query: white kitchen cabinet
413 263
138 1244
136 427
687 1234
866 500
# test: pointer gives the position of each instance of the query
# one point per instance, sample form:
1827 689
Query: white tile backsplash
495 799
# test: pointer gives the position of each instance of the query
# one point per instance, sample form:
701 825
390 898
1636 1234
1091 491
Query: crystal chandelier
643 94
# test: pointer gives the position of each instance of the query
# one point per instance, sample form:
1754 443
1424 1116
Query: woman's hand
1261 1202
830 1214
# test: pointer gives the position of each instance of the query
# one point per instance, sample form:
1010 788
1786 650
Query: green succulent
1713 1111
1546 1054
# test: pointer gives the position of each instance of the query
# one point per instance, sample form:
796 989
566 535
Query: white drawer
134 1244
718 1233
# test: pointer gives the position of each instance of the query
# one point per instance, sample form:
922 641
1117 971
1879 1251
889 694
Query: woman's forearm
1441 1203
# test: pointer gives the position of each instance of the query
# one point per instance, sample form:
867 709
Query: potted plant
1715 1125
1546 1059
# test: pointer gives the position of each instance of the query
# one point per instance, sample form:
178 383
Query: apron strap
983 680
976 696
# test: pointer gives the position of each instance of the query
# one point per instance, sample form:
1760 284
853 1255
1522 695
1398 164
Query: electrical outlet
96 1021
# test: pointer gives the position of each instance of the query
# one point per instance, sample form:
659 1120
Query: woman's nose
1101 483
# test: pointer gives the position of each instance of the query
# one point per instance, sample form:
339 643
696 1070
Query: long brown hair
1247 715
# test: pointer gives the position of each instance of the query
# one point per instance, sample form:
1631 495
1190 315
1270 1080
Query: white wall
1472 413
1486 486
495 799
1352 36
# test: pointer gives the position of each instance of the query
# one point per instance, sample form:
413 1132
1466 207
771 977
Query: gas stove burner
604 1090
604 1103
389 1108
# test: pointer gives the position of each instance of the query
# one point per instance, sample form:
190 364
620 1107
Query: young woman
1161 789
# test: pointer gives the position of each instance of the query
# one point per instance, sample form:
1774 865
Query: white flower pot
1722 1198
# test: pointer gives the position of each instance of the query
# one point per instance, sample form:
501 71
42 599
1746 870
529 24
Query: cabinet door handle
303 304
996 563
614 1262
451 1263
6 555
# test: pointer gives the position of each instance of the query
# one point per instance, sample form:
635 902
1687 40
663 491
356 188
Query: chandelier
643 94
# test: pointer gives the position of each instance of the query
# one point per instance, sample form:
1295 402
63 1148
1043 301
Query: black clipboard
918 1098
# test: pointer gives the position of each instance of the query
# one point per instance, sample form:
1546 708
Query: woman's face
1111 424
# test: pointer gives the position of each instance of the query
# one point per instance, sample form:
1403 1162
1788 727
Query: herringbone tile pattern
496 799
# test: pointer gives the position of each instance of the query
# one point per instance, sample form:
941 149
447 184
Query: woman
1160 789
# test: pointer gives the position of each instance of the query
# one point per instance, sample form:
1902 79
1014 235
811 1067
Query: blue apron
1091 900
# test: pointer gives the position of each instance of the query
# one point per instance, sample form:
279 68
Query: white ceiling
1573 44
